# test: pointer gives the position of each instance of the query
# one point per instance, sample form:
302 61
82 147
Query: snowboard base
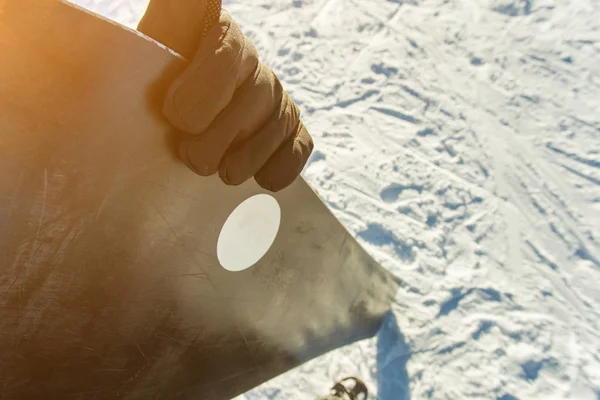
110 284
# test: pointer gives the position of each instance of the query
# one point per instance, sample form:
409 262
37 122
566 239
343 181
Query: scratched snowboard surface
110 286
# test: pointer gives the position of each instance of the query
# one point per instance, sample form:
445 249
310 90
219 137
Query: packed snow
459 141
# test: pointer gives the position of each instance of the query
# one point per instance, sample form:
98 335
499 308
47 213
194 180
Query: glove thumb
180 24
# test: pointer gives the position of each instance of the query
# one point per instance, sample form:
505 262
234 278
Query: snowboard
113 283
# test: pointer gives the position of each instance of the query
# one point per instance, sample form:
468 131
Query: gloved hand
235 116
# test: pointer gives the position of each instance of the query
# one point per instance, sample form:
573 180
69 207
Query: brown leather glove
236 118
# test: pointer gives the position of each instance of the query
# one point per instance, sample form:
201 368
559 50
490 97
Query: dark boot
348 389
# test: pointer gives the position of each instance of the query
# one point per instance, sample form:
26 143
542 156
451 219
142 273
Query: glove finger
251 106
241 164
223 62
286 164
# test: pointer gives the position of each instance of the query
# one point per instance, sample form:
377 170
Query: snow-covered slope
459 140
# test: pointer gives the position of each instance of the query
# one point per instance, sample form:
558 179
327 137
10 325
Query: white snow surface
459 141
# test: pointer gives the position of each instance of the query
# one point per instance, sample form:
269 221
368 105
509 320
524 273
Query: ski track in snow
458 140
